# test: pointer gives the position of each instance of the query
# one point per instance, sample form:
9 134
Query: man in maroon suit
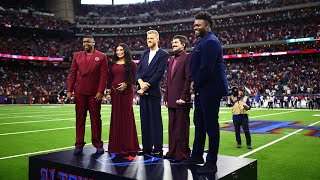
177 98
89 75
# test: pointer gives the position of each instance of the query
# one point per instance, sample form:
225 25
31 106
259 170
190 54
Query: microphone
189 102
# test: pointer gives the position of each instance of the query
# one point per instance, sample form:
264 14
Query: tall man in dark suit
89 75
150 70
209 83
177 98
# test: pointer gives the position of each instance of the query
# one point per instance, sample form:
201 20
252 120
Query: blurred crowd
274 26
25 19
276 76
266 76
26 80
157 11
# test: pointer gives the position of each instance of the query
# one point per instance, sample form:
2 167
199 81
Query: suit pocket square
197 50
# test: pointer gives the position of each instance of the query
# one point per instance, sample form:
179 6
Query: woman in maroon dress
123 134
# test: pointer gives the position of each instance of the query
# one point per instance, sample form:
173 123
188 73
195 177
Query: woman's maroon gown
123 134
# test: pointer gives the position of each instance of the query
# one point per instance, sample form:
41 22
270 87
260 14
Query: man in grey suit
209 84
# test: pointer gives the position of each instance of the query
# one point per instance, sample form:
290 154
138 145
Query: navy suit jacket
153 72
208 69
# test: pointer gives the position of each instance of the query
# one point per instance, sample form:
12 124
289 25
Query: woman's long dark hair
128 68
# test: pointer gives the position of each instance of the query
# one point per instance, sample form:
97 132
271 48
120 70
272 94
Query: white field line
253 117
275 141
250 117
31 116
44 120
244 155
53 129
47 151
48 120
26 122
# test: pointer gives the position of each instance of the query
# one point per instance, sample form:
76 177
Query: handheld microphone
189 102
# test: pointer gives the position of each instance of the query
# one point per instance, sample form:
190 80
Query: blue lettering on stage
44 173
49 174
72 177
52 171
62 175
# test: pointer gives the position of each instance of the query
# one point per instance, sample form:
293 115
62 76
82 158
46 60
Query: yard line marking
275 141
263 115
44 120
53 129
49 150
44 151
30 112
42 130
26 122
34 153
30 116
244 155
137 120
42 111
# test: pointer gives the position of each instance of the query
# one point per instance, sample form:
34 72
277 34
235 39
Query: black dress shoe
193 160
175 161
100 150
77 151
208 168
167 157
144 152
238 145
158 154
249 147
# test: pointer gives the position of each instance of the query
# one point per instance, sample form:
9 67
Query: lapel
82 62
146 59
169 67
196 47
179 59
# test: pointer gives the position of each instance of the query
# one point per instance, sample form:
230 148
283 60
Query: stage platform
89 166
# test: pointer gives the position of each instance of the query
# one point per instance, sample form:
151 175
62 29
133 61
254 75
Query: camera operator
240 105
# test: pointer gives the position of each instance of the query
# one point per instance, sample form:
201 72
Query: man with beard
150 70
209 84
177 99
89 75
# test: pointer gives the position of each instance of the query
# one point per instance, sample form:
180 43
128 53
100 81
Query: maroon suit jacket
178 81
88 77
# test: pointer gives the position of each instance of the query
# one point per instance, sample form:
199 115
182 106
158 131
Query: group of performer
201 73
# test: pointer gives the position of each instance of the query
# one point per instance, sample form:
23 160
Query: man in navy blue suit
151 67
209 84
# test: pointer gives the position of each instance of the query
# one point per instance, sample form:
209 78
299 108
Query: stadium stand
241 26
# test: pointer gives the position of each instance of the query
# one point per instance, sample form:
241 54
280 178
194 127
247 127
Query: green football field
282 152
